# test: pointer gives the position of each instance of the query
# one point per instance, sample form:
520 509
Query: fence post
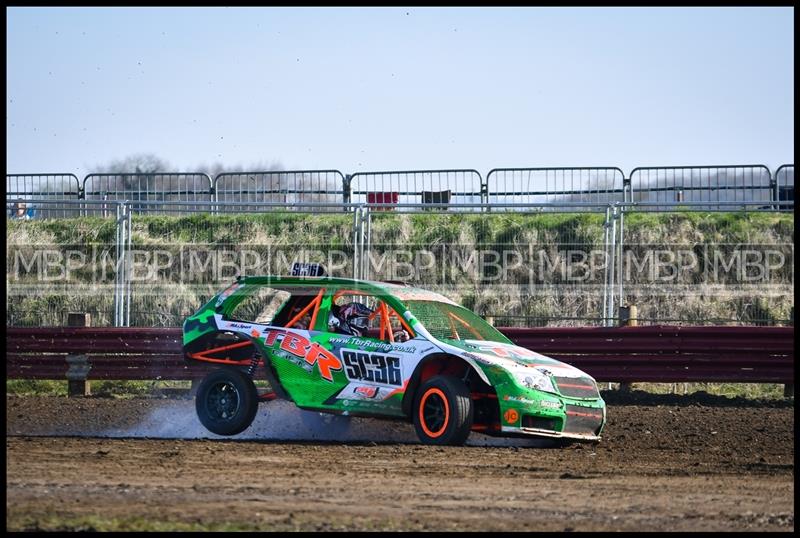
212 195
346 189
606 225
128 261
611 252
788 388
366 243
628 317
79 365
774 193
627 195
356 240
117 268
620 247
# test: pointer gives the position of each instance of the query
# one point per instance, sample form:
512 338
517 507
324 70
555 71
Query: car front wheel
226 401
443 411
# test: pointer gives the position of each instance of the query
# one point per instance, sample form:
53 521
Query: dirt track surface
691 465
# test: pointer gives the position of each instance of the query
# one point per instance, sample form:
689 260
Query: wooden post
79 365
627 318
788 390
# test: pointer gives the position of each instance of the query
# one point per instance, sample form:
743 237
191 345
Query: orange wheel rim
437 412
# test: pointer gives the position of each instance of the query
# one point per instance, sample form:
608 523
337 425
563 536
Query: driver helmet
354 318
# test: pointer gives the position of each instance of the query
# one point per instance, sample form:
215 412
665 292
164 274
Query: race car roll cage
382 311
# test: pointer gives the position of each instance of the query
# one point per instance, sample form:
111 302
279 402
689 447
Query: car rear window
260 306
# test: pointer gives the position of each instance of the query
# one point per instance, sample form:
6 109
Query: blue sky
361 89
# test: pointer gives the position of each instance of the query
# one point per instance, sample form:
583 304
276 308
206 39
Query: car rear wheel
443 411
226 401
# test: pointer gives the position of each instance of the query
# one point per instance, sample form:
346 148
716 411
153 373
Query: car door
376 365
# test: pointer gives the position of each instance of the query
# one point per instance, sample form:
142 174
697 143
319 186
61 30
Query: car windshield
451 322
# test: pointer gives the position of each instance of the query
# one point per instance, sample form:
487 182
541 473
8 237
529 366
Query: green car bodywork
512 391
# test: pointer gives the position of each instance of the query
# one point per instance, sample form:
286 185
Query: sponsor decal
354 341
505 350
519 399
237 325
366 392
372 367
355 392
547 404
479 358
511 416
307 269
301 351
227 293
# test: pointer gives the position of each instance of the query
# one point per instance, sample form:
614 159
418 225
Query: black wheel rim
434 412
222 401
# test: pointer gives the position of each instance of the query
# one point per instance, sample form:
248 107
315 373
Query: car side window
367 316
300 311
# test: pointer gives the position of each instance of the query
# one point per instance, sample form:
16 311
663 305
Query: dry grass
456 240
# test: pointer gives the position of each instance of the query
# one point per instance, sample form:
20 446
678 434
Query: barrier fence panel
35 187
148 187
421 189
723 266
784 184
562 185
514 266
672 185
285 187
178 263
72 264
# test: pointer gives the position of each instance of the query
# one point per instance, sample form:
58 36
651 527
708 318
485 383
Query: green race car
379 349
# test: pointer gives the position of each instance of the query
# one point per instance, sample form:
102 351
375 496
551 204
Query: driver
351 318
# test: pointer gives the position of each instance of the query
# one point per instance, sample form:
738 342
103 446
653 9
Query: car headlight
534 379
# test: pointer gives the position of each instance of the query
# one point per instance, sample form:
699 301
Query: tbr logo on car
302 352
372 367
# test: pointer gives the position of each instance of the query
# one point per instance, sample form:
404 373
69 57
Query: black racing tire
443 411
226 401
